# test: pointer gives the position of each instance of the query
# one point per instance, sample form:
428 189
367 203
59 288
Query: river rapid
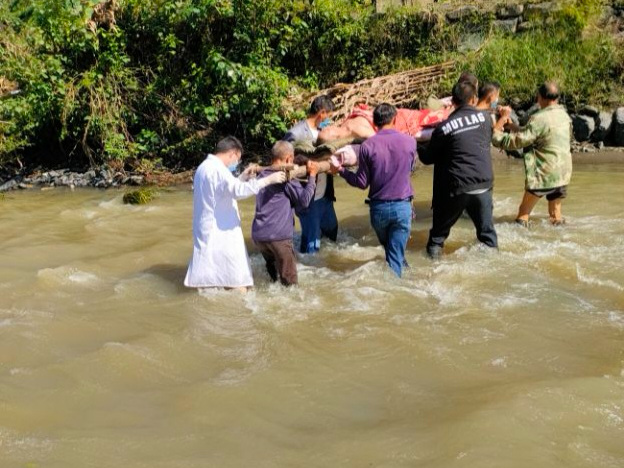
512 359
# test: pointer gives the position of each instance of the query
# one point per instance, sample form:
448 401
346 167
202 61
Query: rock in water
583 127
618 127
603 126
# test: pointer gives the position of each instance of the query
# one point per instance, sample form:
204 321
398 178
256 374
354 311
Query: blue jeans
392 222
316 221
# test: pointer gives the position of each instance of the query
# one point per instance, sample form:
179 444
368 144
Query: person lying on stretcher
359 124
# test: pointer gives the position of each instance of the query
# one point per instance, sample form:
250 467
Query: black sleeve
434 149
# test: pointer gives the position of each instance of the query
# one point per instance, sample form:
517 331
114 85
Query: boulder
136 180
10 185
106 175
65 180
462 12
511 10
603 126
525 26
589 110
618 127
539 11
583 126
506 25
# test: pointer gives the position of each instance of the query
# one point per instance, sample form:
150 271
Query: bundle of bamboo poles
400 89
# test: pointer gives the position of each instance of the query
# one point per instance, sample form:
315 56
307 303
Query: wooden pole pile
400 89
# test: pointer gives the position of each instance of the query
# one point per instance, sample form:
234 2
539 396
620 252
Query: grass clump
584 61
141 196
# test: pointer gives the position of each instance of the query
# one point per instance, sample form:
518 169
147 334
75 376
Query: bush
171 77
584 61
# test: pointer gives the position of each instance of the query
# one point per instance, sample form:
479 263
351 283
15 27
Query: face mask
324 123
494 104
233 166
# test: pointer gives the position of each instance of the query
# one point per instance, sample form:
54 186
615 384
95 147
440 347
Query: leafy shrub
173 76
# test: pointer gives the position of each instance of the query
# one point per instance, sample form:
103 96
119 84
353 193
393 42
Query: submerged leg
446 212
286 261
269 259
554 211
480 208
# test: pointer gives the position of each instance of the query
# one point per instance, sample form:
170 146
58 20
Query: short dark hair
469 77
463 92
281 149
488 88
549 90
383 114
321 103
228 143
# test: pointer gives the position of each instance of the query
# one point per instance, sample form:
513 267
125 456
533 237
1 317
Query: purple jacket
386 162
274 219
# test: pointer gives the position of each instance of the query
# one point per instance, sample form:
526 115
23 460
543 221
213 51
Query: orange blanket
409 121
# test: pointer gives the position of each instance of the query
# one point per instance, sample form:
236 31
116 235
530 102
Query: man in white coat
219 255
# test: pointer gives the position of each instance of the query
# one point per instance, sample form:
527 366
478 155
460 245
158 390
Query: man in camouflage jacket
548 161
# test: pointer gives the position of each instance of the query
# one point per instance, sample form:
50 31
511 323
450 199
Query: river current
512 359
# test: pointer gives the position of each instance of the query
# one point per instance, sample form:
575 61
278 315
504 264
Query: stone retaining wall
510 17
590 125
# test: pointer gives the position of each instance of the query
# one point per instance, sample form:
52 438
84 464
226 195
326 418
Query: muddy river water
512 359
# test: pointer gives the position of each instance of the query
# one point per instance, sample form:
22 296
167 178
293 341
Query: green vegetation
141 196
168 77
587 63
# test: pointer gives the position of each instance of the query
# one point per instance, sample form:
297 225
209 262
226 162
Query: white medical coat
219 253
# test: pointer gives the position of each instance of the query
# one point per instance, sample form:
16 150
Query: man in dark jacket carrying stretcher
462 177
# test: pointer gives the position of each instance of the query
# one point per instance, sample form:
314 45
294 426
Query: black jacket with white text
460 150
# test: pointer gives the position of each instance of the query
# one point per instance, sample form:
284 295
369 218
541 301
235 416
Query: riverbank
104 177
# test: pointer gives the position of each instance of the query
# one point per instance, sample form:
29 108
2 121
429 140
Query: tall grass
585 61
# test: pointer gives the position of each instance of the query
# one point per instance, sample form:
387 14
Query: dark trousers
392 222
319 219
447 211
280 259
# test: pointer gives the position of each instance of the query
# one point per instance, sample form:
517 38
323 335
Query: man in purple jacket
385 168
274 224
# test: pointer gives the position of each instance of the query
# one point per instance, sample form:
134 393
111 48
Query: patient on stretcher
359 124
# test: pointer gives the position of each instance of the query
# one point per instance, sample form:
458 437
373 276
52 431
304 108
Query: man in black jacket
462 177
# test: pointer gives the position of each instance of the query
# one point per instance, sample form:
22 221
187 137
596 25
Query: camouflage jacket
547 161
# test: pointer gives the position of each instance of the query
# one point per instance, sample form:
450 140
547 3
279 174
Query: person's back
387 159
462 177
273 225
385 167
551 159
274 218
219 254
461 146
